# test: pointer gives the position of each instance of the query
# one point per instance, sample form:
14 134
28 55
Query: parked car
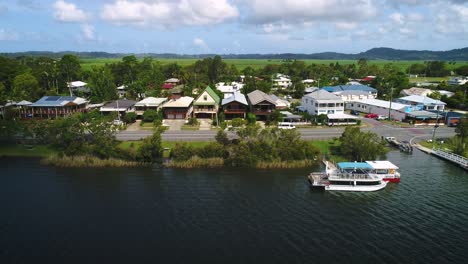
382 117
370 115
354 112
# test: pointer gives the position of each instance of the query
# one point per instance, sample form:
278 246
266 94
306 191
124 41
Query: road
415 134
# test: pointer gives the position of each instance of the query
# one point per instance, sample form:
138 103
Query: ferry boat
356 180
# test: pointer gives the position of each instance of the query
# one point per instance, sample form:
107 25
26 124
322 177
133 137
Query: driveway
205 124
174 124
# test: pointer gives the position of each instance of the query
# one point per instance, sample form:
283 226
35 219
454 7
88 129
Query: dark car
354 112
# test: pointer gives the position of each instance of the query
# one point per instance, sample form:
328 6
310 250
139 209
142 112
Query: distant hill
372 54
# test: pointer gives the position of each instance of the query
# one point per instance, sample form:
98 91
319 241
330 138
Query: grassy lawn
165 144
187 127
443 146
21 151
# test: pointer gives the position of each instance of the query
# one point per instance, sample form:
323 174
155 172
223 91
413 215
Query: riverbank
53 157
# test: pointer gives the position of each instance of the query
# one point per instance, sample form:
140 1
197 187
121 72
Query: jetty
404 145
440 153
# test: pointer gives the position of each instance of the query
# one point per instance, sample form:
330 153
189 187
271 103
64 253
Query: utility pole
435 127
390 107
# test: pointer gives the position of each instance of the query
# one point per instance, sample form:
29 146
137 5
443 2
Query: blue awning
354 165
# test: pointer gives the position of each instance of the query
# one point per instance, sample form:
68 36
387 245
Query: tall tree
360 146
102 85
26 87
69 69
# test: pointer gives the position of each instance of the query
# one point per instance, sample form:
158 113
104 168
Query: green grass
88 63
21 151
165 144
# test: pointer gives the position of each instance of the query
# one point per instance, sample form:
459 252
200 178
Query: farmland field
87 63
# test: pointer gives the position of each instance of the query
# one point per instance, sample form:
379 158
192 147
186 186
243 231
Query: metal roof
237 97
151 101
58 101
421 100
258 96
184 101
323 95
123 104
213 95
382 103
341 116
339 88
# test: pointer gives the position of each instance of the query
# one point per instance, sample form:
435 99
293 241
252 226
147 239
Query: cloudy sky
232 26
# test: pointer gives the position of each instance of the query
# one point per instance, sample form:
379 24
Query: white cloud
345 25
6 35
169 14
300 11
69 12
199 42
87 31
452 20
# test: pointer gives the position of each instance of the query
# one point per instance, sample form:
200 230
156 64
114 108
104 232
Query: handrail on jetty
462 161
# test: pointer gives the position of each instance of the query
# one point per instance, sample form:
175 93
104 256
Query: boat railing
352 176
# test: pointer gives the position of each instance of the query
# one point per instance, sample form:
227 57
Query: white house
422 102
322 102
121 91
457 80
78 86
149 103
228 89
380 107
281 81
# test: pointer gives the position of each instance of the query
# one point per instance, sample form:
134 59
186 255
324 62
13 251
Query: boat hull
392 180
357 188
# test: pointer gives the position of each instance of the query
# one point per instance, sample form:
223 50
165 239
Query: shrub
130 117
150 115
193 121
237 122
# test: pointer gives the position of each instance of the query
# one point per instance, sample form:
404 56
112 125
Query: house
228 89
235 106
207 104
280 103
149 103
416 91
180 108
20 107
352 92
121 107
56 106
322 102
261 104
78 86
281 82
308 82
398 111
422 102
121 91
457 81
173 81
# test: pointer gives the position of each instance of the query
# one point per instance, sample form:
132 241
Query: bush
237 122
193 121
251 118
150 115
130 117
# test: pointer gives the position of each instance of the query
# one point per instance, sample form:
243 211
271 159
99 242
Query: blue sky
231 26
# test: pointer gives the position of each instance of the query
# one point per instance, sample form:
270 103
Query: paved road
416 134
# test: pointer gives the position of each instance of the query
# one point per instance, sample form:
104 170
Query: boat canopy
354 165
382 164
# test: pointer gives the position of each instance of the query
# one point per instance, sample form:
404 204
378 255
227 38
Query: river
152 215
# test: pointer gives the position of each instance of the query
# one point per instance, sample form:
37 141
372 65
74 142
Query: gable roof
421 100
212 94
237 97
322 95
58 101
258 96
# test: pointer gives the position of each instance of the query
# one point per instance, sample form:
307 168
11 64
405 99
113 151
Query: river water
152 215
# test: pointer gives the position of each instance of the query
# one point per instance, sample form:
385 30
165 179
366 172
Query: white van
286 125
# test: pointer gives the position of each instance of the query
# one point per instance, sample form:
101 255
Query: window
205 97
